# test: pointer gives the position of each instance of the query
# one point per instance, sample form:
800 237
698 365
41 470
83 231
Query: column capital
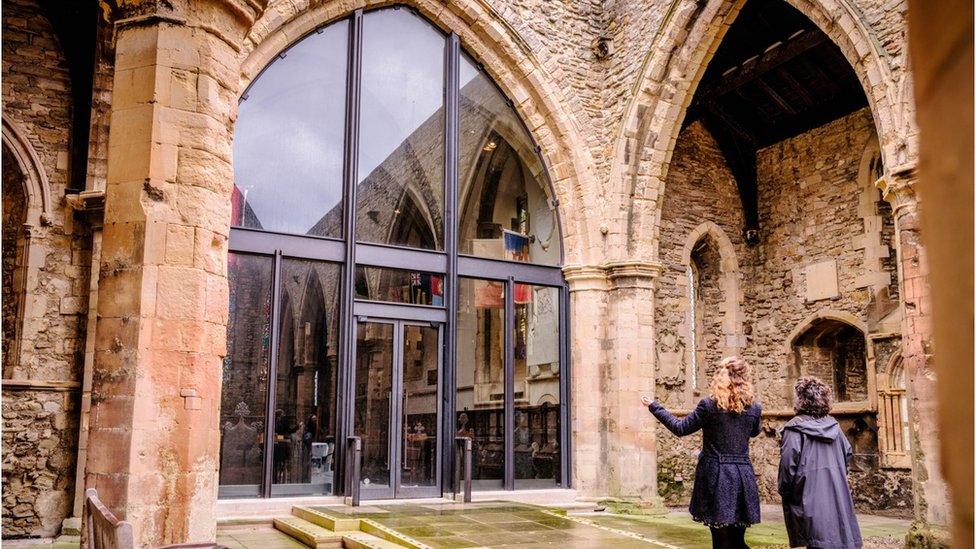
228 19
612 275
898 188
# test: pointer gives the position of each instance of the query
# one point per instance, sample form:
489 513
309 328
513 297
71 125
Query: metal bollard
462 466
354 454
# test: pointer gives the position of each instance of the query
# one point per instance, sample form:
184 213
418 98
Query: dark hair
811 397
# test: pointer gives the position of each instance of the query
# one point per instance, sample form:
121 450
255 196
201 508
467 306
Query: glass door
397 417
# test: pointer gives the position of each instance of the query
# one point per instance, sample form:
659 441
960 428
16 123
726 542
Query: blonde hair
731 386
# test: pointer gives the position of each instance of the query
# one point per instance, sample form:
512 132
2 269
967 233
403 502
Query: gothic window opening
893 416
395 273
707 299
835 352
14 218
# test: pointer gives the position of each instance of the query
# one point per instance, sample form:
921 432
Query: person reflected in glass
725 496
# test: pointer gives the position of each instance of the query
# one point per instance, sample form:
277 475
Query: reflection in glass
481 377
374 391
399 286
288 140
536 337
245 373
505 211
400 195
308 357
421 345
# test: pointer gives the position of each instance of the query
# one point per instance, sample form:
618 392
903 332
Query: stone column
613 364
588 287
154 439
630 372
931 504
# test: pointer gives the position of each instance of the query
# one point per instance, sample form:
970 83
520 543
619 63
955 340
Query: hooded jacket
817 503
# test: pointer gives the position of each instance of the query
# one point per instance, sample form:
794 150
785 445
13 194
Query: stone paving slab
489 524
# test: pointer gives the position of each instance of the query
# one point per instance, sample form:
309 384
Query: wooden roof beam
775 56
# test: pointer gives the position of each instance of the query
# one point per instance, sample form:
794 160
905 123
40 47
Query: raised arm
681 427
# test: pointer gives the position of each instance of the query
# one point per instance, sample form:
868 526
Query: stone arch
834 325
827 314
507 58
37 189
733 339
29 254
677 60
894 424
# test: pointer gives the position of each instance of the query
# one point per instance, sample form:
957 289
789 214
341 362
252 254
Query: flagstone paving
503 524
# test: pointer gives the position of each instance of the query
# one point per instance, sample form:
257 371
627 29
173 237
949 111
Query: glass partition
245 372
308 359
288 140
341 150
537 387
400 193
480 400
504 207
399 286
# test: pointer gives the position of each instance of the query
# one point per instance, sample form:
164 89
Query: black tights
729 537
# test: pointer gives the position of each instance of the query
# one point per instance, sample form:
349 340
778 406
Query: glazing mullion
449 376
269 434
510 384
344 425
565 374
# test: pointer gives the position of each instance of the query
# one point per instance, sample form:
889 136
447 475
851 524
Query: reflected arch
507 60
373 148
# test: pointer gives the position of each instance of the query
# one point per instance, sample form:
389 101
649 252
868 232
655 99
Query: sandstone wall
809 199
40 424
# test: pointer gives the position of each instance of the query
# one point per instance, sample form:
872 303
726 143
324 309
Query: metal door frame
395 490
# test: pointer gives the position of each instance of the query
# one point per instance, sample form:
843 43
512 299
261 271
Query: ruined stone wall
808 199
39 423
808 195
700 189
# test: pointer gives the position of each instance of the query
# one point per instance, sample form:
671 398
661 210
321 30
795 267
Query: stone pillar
613 365
931 504
153 449
588 287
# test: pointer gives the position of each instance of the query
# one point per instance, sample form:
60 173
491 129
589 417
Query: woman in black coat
725 496
814 457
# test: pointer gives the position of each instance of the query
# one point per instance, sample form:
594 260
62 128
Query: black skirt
725 491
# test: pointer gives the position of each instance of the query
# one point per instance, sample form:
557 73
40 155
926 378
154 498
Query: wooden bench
104 531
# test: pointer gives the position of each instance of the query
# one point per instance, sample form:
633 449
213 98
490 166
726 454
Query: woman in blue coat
814 457
725 496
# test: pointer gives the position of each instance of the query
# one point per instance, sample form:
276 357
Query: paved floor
489 524
503 524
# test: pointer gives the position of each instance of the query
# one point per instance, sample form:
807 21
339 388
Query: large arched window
394 273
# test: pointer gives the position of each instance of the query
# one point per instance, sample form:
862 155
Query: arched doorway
396 239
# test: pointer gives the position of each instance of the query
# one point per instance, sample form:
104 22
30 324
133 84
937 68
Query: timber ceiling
774 76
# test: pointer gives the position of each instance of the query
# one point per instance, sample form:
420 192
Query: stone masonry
47 256
809 213
602 87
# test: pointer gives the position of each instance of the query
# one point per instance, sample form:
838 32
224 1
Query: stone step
362 540
333 522
309 534
388 534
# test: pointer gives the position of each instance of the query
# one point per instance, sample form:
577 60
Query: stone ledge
40 385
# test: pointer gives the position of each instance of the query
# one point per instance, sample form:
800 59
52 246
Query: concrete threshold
257 510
